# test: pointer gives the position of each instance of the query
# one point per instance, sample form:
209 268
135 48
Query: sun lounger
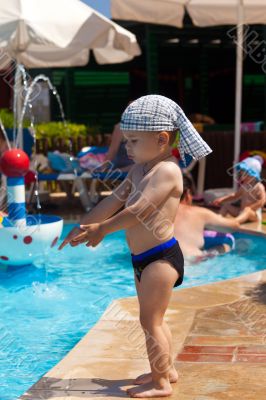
108 179
77 180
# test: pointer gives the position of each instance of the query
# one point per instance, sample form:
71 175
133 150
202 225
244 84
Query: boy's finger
66 241
63 244
79 237
77 242
84 226
74 244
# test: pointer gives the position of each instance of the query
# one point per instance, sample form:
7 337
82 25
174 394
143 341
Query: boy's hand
217 202
92 234
73 233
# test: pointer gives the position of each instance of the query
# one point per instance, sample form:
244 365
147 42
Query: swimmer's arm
158 189
218 221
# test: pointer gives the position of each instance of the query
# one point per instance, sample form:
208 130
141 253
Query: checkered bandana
158 113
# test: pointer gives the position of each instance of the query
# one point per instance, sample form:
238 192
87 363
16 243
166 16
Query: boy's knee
143 321
223 210
148 323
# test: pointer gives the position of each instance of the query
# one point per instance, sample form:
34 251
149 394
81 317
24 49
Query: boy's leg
173 375
247 215
154 292
229 209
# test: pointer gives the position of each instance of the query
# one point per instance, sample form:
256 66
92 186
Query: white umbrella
49 33
203 13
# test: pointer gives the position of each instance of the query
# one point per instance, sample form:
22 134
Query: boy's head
145 146
187 195
249 169
157 119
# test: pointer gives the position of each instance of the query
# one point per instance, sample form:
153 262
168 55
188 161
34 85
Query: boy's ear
163 138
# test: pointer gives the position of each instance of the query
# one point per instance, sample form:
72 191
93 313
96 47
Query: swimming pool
47 308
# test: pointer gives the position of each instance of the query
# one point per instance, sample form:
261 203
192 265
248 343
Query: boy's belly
141 238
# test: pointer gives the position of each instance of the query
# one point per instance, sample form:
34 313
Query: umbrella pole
239 82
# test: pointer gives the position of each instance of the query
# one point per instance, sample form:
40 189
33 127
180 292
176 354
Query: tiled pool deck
219 335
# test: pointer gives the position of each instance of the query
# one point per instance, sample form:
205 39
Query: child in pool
149 197
251 193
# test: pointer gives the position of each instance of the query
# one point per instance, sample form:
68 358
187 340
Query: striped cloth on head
158 113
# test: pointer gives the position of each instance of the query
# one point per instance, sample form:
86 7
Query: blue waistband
154 250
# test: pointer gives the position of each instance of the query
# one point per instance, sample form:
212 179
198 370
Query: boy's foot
147 378
149 390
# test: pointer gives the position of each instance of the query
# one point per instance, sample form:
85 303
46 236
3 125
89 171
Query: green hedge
59 129
7 118
51 130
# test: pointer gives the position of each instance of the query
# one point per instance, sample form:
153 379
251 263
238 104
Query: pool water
47 308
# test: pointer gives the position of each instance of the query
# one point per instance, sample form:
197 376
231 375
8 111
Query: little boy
251 193
149 197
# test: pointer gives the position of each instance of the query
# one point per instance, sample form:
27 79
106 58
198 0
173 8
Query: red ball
14 163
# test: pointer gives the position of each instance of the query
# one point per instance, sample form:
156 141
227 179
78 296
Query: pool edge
110 357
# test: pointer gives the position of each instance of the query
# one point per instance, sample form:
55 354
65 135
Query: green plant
7 118
51 130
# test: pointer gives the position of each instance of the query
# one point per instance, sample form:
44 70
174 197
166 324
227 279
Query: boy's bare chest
251 194
138 185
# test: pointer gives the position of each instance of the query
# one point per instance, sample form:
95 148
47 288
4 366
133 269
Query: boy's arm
111 204
218 221
259 203
229 197
157 190
105 209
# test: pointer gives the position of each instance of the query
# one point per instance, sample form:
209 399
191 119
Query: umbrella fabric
61 33
225 12
202 12
164 12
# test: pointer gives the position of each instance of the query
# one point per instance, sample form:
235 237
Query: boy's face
244 178
145 146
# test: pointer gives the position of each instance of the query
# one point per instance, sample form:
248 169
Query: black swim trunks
169 251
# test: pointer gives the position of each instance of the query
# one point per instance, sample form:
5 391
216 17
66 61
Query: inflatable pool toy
213 239
215 244
23 238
